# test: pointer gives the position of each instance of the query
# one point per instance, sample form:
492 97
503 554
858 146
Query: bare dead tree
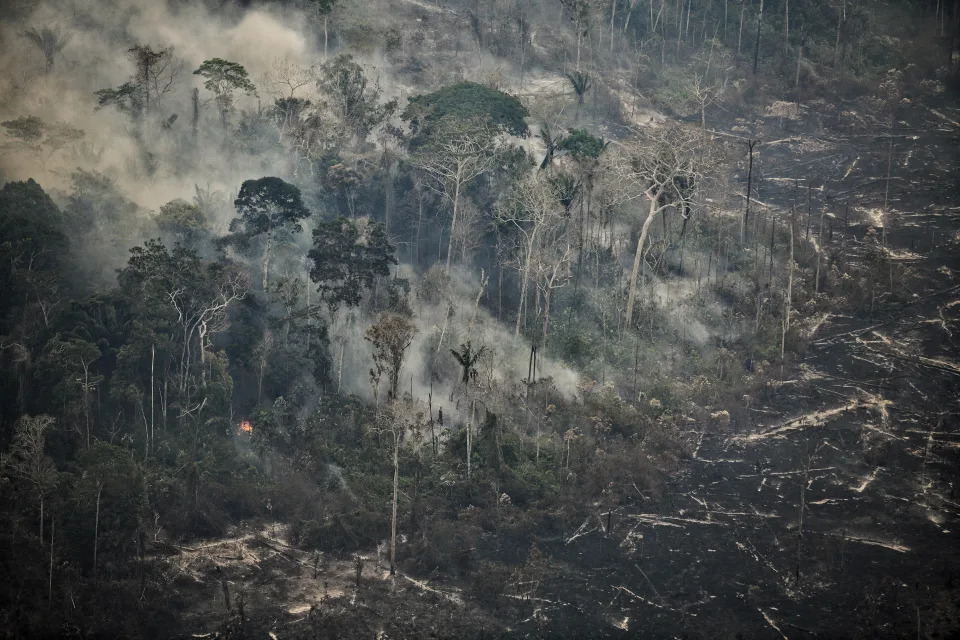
532 209
664 162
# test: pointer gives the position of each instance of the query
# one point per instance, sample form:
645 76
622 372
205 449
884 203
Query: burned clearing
480 319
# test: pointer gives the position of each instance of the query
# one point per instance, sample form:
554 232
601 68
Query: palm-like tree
50 41
581 82
550 141
467 359
565 188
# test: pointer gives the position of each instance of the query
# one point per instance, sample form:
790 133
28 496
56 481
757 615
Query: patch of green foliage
467 101
581 144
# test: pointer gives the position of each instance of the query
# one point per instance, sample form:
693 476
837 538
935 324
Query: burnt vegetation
479 318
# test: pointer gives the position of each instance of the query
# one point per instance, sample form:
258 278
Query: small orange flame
246 427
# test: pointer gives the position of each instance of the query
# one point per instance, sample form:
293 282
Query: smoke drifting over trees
478 298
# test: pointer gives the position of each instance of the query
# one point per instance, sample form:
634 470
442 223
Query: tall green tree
266 206
347 257
322 9
225 79
462 102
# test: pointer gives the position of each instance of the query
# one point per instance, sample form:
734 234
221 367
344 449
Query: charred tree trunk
746 213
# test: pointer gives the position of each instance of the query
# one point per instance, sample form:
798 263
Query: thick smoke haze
95 58
266 42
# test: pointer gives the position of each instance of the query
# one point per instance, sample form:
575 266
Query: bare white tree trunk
326 36
613 14
789 298
153 357
53 529
453 222
816 286
786 27
96 531
396 491
266 260
525 278
638 257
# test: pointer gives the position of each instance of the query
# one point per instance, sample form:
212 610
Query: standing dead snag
808 464
397 435
397 420
553 270
746 213
533 209
665 166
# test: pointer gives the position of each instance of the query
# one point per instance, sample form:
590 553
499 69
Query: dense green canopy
466 101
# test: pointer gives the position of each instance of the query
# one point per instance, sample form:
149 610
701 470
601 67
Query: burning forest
480 319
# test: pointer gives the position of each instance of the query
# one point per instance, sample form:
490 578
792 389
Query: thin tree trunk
433 432
523 52
579 40
266 260
773 230
387 200
743 8
525 280
153 356
196 114
786 27
53 530
396 491
537 458
803 505
613 15
886 193
789 298
816 286
756 44
86 400
470 439
546 317
746 213
96 531
796 82
836 46
635 274
453 222
726 7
